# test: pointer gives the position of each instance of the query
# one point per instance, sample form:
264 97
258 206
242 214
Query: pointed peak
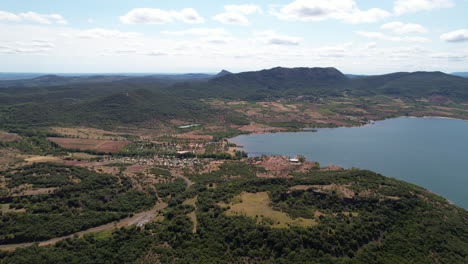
223 72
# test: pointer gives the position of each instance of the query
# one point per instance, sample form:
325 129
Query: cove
429 152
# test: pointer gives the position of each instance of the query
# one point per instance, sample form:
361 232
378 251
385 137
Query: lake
429 152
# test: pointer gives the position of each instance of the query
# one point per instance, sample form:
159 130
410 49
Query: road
187 180
139 219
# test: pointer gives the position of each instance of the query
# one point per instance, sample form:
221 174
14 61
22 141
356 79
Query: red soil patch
7 137
95 144
194 136
259 129
280 166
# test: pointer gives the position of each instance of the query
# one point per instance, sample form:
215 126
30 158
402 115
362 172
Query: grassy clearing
192 215
257 205
87 133
80 155
5 208
33 159
103 235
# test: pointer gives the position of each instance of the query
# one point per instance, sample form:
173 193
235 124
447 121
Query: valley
149 170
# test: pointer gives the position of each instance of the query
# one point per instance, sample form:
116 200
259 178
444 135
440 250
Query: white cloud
411 6
9 17
377 35
335 51
416 39
232 18
370 45
159 16
460 35
219 40
96 33
272 38
236 14
243 9
381 36
157 53
32 17
189 16
198 32
36 47
451 56
317 10
402 28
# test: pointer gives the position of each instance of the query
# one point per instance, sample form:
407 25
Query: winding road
139 219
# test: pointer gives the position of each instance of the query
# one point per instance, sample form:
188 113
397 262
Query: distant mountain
18 76
319 82
222 73
413 85
355 76
461 74
55 80
277 81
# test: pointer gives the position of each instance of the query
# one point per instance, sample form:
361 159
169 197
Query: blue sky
355 36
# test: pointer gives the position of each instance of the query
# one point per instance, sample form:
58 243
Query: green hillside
369 219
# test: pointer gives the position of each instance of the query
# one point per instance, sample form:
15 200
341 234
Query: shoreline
241 147
315 129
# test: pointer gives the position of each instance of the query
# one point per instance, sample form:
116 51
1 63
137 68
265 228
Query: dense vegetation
418 228
122 102
79 199
357 216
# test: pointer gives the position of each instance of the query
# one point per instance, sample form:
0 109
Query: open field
87 133
33 159
87 144
257 205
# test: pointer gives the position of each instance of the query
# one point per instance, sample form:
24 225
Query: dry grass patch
80 155
257 205
86 144
342 190
5 208
192 215
34 159
7 137
87 133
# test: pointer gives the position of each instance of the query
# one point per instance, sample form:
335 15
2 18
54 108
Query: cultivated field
87 144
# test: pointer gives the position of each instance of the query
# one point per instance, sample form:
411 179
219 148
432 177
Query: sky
180 36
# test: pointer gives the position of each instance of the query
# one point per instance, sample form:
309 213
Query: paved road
139 219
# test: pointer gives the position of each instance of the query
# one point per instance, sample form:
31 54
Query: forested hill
413 85
281 82
278 81
138 99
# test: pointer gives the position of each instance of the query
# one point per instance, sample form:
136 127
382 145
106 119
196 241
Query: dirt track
138 219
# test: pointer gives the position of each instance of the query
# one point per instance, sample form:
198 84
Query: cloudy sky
149 36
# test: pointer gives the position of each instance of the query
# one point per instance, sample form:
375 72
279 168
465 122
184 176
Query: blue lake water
429 152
